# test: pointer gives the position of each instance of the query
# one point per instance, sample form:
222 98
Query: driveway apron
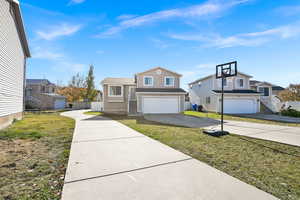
110 161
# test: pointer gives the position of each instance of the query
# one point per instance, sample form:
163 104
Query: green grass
93 113
269 166
34 155
236 118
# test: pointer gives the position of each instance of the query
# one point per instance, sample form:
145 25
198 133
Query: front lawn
236 118
34 155
92 113
269 166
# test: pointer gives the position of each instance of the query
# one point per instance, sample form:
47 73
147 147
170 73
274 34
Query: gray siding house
13 53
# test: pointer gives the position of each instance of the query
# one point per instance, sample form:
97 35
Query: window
115 91
241 83
169 81
207 100
148 81
265 91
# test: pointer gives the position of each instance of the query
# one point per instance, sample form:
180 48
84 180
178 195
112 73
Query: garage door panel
59 104
240 106
160 105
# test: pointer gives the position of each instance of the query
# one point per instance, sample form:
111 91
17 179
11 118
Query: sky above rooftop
121 38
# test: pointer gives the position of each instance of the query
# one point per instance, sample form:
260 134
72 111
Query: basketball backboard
226 70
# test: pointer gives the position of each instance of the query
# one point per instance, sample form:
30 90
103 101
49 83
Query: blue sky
121 38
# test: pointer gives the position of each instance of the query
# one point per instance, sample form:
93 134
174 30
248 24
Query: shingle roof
160 90
237 91
123 81
275 87
37 81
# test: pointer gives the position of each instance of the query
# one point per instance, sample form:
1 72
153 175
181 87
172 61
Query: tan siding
158 79
12 61
115 104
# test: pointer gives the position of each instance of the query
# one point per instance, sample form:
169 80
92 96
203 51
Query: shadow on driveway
182 120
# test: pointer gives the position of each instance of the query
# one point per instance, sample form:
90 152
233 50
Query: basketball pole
222 104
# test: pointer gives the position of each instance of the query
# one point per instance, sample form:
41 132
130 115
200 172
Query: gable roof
257 83
122 81
20 26
38 81
209 76
161 68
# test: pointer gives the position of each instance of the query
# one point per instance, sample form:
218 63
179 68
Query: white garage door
59 104
240 106
160 105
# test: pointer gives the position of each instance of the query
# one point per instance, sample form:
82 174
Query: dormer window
148 81
169 81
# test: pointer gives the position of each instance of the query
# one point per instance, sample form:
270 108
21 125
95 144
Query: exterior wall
231 83
12 65
140 96
115 104
158 79
8 119
199 93
38 88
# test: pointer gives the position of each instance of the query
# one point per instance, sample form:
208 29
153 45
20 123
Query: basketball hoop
222 72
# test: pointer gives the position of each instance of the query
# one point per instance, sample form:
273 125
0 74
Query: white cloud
56 31
245 39
100 52
288 10
76 2
210 8
40 53
160 43
125 17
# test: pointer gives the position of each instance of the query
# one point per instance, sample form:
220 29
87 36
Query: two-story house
239 98
154 91
40 94
14 52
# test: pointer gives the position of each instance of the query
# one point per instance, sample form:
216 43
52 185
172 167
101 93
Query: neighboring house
269 97
13 54
40 94
239 98
154 91
277 89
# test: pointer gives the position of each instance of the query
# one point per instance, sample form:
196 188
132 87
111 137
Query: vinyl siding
12 62
158 79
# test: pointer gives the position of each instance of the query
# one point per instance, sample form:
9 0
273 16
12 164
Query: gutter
20 26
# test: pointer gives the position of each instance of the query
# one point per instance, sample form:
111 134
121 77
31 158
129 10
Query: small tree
91 92
292 93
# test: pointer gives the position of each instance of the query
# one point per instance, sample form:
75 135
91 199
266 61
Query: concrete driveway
272 117
282 134
110 161
182 120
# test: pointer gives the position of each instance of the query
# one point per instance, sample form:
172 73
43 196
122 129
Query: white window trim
148 77
165 81
238 83
108 88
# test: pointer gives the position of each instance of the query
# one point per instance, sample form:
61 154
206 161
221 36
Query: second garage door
240 106
160 105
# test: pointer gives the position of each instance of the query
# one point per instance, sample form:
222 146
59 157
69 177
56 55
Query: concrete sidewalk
110 161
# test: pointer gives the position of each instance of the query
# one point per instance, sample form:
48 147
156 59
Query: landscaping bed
34 155
269 166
